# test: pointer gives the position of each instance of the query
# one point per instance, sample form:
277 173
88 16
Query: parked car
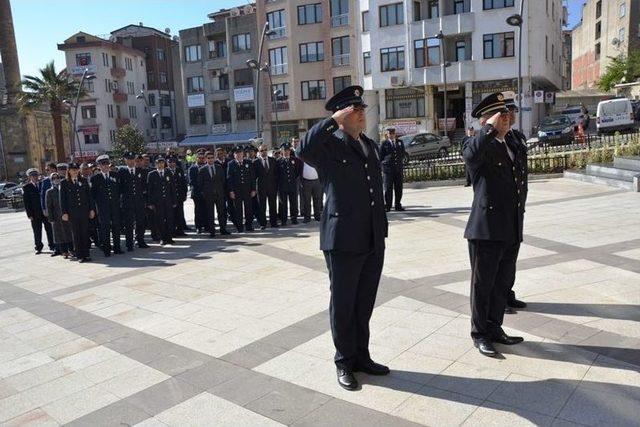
556 130
615 115
6 189
575 114
425 145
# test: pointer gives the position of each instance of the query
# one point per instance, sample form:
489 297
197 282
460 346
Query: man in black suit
242 188
265 167
392 154
33 208
200 212
287 173
133 184
497 166
223 159
180 181
161 199
353 227
211 185
105 190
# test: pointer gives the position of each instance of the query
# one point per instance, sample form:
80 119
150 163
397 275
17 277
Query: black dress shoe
118 251
225 233
502 338
516 304
400 209
347 380
387 209
83 260
107 254
212 235
294 221
143 245
485 347
263 227
38 251
56 254
187 229
371 368
509 310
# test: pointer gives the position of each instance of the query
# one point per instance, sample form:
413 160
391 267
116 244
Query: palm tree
49 89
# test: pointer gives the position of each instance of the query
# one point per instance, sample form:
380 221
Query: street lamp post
85 76
255 65
516 21
154 118
443 66
276 94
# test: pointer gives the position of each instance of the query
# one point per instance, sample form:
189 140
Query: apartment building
401 57
162 79
312 54
219 100
3 87
120 74
608 28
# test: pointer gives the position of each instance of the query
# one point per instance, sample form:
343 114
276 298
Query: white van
613 115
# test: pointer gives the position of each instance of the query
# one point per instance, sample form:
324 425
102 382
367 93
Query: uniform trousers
354 281
80 233
288 199
179 221
134 218
246 201
211 207
493 271
109 226
163 221
200 212
265 198
37 223
393 186
312 190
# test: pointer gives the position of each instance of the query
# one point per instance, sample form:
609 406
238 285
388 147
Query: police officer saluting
132 191
105 190
392 153
497 167
353 227
161 199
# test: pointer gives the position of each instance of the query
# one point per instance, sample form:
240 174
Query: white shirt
502 141
365 149
308 172
265 162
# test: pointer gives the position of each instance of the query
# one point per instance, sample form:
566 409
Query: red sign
89 130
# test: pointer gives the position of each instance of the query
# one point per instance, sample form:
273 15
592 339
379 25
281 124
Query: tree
128 138
49 89
620 69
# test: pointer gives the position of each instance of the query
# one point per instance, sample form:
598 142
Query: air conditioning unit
248 9
397 81
235 11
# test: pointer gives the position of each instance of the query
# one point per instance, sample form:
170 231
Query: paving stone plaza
235 332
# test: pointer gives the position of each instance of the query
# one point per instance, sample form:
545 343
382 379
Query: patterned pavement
235 332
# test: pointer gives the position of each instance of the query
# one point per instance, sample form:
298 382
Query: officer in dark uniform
392 154
242 188
223 160
352 229
105 190
77 207
200 213
497 166
211 184
180 181
161 199
133 184
86 172
35 213
267 187
287 172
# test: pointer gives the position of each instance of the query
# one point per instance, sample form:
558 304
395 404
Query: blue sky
40 25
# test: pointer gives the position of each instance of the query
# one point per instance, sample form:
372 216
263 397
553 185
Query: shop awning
229 138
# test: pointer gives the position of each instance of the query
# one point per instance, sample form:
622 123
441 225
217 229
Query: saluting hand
92 214
253 194
340 115
65 217
232 195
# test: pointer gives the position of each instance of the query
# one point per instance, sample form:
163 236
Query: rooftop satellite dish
167 30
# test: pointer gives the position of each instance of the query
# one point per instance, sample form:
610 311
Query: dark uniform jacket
76 199
267 179
106 193
287 174
132 187
392 155
193 180
31 198
354 217
241 178
212 186
180 181
499 187
161 192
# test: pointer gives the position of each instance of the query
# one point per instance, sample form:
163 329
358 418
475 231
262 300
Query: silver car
6 189
424 146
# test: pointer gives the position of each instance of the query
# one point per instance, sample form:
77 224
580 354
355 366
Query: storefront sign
85 154
89 130
162 145
243 94
450 88
196 100
403 127
220 129
77 71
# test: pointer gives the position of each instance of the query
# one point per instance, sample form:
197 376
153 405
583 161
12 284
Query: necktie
131 171
210 171
161 174
75 181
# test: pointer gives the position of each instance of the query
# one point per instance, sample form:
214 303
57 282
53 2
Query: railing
278 33
341 60
281 105
340 20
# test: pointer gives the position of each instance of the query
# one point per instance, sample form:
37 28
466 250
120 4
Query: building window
623 10
392 58
339 13
310 14
340 83
499 45
110 111
89 86
366 26
597 51
221 112
243 77
112 135
193 53
151 77
83 59
427 52
152 100
278 61
458 7
133 112
391 14
598 30
160 54
311 52
366 62
219 80
92 138
89 112
496 4
280 100
118 112
433 9
197 116
131 90
165 100
128 64
313 89
245 111
105 59
217 49
107 85
404 103
599 9
417 11
241 42
546 48
461 50
340 51
277 23
163 77
553 53
195 84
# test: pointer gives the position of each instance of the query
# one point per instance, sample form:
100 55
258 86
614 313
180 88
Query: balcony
451 24
340 20
120 97
340 60
279 32
118 73
458 72
122 122
281 105
214 28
